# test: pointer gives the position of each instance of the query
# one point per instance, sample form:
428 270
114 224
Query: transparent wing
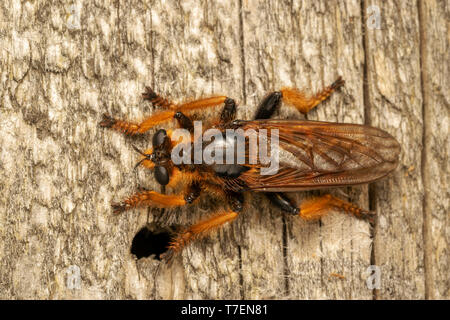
316 154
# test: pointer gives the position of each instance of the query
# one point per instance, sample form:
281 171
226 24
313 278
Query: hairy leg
132 128
203 228
317 207
156 99
294 97
304 103
158 200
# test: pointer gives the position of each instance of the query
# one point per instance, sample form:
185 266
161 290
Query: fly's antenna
139 163
139 151
147 156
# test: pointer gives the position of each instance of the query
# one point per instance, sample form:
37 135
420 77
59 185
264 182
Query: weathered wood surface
62 66
394 102
435 16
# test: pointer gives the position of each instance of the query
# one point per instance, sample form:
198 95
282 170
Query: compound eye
159 137
162 175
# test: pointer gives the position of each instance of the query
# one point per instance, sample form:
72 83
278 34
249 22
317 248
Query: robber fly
312 155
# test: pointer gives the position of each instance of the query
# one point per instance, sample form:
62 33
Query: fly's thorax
226 149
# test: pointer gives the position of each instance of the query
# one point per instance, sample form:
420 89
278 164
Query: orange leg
160 117
315 208
132 128
149 198
304 103
158 200
197 231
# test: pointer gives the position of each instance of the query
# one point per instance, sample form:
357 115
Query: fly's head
158 158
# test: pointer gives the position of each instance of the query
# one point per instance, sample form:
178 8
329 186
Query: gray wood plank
395 104
434 17
308 45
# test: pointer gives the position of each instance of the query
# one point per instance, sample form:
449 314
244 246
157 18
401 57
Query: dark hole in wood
146 243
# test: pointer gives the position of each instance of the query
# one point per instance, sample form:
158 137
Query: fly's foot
338 83
107 121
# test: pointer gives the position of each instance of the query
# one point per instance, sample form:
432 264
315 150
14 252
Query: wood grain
434 17
395 100
64 65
